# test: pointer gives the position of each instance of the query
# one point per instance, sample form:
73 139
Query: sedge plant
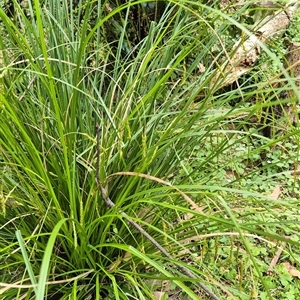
87 122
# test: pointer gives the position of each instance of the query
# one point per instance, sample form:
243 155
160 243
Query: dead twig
110 204
276 258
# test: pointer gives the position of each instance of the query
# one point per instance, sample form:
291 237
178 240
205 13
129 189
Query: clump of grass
78 129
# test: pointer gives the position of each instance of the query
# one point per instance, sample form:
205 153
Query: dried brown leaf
276 193
292 270
158 295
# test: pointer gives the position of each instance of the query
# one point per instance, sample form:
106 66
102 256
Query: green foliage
192 174
293 30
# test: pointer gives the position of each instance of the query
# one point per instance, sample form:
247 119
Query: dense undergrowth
188 161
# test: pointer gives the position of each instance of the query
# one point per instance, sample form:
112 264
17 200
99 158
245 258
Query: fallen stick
247 49
109 203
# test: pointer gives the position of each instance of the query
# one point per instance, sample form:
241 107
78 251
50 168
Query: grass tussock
98 134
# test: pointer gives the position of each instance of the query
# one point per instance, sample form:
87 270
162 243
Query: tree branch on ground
109 203
247 49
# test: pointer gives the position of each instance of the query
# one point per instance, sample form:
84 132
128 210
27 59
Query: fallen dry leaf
293 271
108 7
276 193
158 295
187 217
201 68
127 256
